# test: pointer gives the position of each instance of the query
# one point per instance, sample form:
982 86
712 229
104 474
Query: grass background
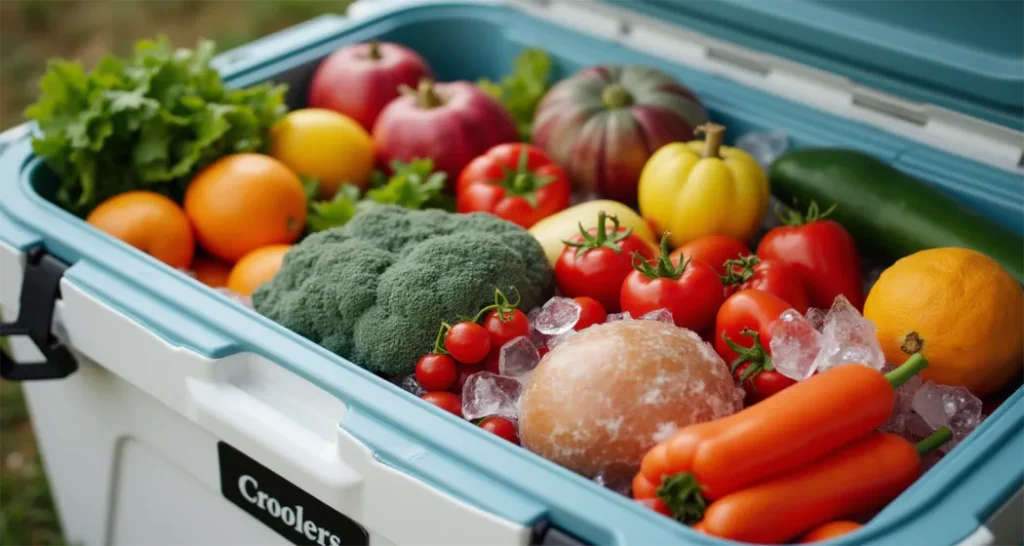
32 31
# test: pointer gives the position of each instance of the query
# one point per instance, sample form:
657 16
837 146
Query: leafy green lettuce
150 122
521 91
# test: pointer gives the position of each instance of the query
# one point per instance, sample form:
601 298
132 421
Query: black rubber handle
40 289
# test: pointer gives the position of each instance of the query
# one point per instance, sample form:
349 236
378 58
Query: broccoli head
376 290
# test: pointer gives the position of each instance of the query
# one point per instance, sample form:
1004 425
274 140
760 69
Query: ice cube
948 406
660 315
518 358
486 394
794 345
764 146
614 317
235 296
816 317
618 481
558 316
555 341
848 337
410 384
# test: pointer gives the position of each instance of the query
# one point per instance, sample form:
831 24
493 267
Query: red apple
451 123
359 80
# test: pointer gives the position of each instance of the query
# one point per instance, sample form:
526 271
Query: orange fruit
244 201
960 309
324 144
211 271
256 268
150 222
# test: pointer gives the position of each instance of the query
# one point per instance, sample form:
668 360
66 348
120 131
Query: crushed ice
557 316
660 315
848 337
486 394
794 345
518 358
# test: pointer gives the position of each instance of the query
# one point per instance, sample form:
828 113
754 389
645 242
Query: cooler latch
40 289
546 534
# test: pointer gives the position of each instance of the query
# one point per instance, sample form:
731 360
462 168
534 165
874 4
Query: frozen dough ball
605 396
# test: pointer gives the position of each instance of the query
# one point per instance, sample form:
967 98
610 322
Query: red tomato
822 252
514 181
502 428
591 312
467 370
773 276
491 363
595 264
691 290
543 351
712 250
446 401
504 327
467 342
742 336
436 372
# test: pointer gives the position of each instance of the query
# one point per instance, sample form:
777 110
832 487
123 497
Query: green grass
32 31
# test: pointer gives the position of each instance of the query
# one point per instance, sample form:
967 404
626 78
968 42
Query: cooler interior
470 42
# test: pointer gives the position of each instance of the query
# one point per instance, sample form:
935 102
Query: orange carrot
829 530
864 475
786 431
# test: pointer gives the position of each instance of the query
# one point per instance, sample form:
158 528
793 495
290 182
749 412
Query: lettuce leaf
150 122
521 91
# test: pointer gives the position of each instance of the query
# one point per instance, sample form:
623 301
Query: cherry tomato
504 327
692 291
436 372
501 427
491 363
514 181
712 250
773 276
465 371
543 351
595 264
468 342
445 400
591 312
742 338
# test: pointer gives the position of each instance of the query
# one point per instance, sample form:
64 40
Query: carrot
864 475
829 530
794 427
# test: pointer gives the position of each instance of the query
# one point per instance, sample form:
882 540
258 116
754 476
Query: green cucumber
888 212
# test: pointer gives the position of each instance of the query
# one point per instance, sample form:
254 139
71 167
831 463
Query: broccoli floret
376 290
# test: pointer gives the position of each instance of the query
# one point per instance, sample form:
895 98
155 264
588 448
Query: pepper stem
682 495
663 266
908 369
713 135
933 442
616 96
374 52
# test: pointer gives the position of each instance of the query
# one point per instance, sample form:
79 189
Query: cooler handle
40 289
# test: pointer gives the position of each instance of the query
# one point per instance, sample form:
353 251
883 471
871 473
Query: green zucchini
888 212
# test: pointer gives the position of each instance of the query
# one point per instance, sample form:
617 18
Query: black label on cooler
280 505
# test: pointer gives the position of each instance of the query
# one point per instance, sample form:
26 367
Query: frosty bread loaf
602 398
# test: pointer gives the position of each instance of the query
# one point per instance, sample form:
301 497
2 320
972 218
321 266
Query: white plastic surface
130 442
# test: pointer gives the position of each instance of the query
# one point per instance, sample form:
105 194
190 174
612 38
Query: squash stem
616 96
713 135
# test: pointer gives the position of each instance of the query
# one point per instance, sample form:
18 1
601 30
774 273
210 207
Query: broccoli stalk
374 290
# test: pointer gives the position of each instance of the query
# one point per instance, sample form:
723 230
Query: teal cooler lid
962 55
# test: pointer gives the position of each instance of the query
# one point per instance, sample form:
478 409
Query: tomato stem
908 369
794 218
521 181
746 269
602 238
713 135
616 96
681 493
756 354
439 340
663 267
933 442
505 309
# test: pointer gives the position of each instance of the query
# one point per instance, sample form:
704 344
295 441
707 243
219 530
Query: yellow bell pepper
702 188
551 231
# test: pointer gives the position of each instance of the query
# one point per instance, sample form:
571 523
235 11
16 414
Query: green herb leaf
413 185
336 212
150 122
521 91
